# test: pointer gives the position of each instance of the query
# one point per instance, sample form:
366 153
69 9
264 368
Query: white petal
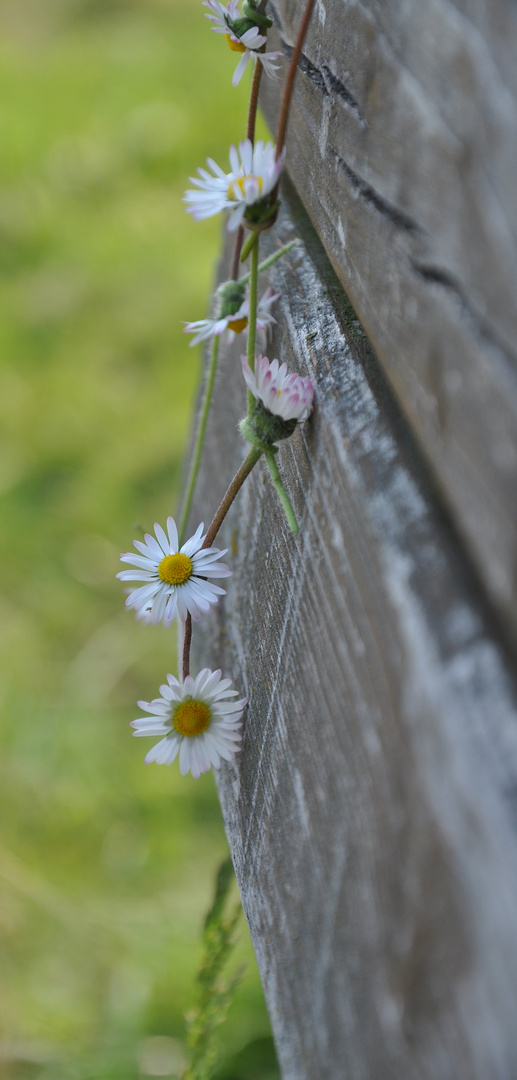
136 575
162 538
154 546
140 560
204 677
184 757
235 219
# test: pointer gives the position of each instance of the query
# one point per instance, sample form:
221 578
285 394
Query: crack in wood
313 73
339 88
372 197
327 82
438 276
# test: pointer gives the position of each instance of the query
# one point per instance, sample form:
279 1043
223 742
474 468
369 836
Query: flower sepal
230 296
261 215
254 15
264 429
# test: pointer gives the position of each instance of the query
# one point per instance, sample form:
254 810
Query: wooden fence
372 814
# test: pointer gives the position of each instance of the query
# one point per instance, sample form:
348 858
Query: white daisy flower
255 172
288 396
197 719
248 43
174 577
236 323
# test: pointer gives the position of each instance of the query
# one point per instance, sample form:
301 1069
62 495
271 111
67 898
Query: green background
106 865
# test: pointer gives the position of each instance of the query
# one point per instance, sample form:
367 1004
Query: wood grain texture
372 813
403 147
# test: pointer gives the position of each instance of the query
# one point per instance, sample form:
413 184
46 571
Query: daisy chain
197 719
255 172
175 578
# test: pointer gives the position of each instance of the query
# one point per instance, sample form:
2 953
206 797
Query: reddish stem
237 253
186 646
231 492
291 75
253 105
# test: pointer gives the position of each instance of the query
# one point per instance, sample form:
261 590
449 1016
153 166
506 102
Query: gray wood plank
372 813
403 147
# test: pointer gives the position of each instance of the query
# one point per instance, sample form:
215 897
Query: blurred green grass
106 865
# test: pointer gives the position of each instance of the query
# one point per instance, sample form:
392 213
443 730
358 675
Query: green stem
281 492
252 317
291 75
250 242
271 259
200 438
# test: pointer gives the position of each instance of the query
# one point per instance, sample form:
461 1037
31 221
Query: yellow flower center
235 46
240 182
237 325
175 569
191 718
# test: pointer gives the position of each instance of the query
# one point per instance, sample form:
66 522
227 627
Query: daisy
249 42
235 323
255 172
197 720
175 578
288 396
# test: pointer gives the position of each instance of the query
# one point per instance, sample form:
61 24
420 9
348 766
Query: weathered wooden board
372 813
403 147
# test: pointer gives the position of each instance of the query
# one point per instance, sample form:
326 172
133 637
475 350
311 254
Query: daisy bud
281 401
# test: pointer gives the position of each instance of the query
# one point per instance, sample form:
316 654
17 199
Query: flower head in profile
290 397
243 36
197 719
174 578
254 173
235 322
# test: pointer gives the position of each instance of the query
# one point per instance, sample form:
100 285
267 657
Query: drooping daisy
174 577
255 172
289 396
197 719
234 323
242 37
